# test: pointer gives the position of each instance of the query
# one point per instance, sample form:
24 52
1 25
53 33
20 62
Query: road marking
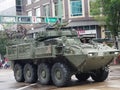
93 89
26 86
114 86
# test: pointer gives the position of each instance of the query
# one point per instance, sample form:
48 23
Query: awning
85 23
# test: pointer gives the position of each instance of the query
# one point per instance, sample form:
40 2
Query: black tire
100 75
82 76
60 74
44 76
18 73
30 73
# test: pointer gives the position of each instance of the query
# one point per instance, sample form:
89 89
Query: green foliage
94 8
96 11
111 12
113 17
3 42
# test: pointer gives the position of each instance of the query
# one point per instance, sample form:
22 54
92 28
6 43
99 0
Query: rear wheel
100 75
44 76
30 73
60 74
18 73
82 76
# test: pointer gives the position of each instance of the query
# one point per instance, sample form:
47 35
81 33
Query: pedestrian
5 64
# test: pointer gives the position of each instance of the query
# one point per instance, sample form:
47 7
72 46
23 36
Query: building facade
78 11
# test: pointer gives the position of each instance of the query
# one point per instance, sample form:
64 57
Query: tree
3 43
111 12
111 9
94 8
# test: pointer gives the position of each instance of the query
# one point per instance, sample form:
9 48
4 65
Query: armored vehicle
56 55
102 45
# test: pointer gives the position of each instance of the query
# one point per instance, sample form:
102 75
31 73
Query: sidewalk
115 68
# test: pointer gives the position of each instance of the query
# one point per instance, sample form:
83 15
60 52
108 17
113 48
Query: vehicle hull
85 63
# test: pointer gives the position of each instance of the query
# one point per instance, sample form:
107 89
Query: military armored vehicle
102 45
56 55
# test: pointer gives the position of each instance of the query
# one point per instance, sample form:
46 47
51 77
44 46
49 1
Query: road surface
7 82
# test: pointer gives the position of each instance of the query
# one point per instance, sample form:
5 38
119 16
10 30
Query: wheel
30 73
60 74
82 76
44 76
100 75
18 73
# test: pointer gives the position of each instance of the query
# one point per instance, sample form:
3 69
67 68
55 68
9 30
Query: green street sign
51 20
27 19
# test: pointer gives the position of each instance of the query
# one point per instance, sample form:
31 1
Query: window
92 27
76 7
36 0
37 12
29 13
29 2
19 5
46 9
86 27
18 2
56 8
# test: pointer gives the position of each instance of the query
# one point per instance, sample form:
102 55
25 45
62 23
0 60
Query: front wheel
100 75
60 74
82 76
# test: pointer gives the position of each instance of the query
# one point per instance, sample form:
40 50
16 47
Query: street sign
24 19
51 20
8 19
27 19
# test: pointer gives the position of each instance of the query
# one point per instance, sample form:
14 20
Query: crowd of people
4 63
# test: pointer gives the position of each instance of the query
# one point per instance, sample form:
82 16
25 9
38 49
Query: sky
5 4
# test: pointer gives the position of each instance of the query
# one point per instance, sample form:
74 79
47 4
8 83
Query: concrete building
78 11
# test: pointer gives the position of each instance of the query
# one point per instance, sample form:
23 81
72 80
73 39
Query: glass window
36 0
29 1
18 2
86 27
46 9
92 27
56 8
29 13
37 12
76 7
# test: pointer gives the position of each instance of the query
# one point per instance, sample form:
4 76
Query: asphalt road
7 82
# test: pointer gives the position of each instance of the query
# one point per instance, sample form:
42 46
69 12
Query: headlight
90 54
116 53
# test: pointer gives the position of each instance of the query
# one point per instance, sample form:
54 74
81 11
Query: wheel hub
18 73
43 73
58 74
28 73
